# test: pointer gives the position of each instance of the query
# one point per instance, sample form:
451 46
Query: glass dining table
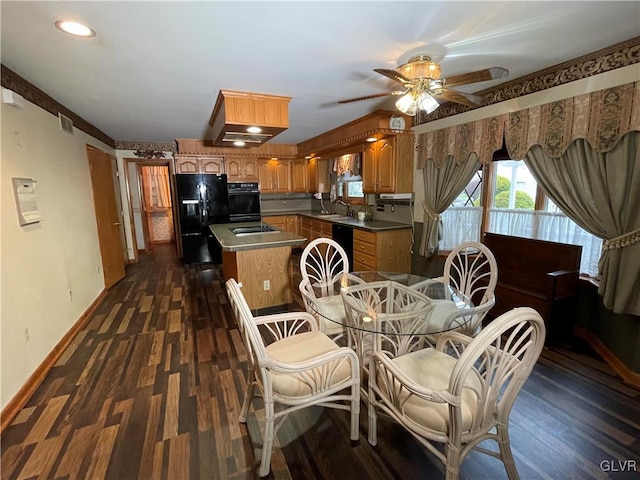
444 309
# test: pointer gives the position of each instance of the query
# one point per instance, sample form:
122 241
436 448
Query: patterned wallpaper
616 56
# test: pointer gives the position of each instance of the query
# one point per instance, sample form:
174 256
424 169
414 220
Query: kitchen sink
242 231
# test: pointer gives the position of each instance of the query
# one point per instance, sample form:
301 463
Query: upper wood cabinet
212 165
274 176
318 172
242 169
300 175
388 165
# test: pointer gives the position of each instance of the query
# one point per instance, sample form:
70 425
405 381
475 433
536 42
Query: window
349 188
461 221
517 207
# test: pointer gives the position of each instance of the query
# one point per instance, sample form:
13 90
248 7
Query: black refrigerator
202 201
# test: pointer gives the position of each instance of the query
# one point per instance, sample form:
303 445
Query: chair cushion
432 369
331 307
442 311
299 348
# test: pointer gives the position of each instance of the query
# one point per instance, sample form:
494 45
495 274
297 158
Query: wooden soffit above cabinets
379 124
234 112
195 147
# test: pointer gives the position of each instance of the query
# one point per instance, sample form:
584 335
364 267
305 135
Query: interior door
107 217
115 178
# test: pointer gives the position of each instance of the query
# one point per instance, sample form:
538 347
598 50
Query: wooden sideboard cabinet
274 176
388 250
387 165
191 164
242 169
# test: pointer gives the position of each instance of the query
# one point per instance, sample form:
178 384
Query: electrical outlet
266 285
27 337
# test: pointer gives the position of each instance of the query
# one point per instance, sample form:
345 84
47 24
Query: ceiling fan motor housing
420 66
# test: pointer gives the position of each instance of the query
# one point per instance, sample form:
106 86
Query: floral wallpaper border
616 56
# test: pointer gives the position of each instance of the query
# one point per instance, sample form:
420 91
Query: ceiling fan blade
367 97
492 73
458 97
393 75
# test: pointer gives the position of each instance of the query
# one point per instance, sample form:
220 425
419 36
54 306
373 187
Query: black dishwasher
343 236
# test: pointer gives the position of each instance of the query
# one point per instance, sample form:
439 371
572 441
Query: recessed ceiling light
254 129
372 139
239 143
74 28
308 157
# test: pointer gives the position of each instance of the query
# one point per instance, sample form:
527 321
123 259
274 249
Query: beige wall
42 263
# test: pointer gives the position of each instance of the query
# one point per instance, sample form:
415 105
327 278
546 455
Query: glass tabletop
390 303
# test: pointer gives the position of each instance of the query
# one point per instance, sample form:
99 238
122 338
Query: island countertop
230 242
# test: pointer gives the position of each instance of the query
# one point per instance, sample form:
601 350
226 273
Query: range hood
248 119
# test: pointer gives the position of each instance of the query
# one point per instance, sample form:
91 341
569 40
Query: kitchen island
260 261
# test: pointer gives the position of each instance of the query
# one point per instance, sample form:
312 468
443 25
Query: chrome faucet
342 202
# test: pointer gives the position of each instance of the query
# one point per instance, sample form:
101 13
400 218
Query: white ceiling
153 72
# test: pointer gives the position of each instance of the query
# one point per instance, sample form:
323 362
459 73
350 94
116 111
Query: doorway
108 217
150 203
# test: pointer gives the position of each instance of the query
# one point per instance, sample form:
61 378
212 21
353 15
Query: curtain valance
601 118
351 163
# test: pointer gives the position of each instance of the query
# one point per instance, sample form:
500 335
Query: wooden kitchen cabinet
299 175
293 222
385 251
195 165
387 165
274 176
242 169
318 173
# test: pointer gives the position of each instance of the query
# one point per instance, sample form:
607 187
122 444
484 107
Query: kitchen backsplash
400 212
285 202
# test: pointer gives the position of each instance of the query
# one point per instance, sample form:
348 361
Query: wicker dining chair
461 392
296 366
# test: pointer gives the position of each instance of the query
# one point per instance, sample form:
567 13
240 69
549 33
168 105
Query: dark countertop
232 243
369 225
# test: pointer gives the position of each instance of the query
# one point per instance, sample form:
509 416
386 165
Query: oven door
244 206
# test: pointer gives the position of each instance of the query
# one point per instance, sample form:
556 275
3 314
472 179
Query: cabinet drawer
361 267
364 236
306 222
365 259
362 247
317 224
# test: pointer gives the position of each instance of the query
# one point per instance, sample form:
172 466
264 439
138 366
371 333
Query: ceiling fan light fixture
420 66
427 102
407 104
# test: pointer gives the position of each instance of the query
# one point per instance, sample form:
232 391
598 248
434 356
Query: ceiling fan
422 85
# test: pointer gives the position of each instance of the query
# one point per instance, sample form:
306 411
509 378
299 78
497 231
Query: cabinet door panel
234 170
212 165
187 165
385 163
265 176
299 176
250 170
282 175
369 168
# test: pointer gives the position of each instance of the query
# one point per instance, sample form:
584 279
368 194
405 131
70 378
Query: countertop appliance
202 201
244 202
343 236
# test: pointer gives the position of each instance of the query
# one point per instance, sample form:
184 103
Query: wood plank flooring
152 388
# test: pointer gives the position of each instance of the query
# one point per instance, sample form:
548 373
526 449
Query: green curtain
442 184
601 193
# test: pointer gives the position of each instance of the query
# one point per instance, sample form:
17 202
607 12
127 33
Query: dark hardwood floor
152 388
